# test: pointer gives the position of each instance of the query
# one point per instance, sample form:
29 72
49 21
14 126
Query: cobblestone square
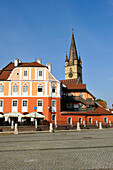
87 149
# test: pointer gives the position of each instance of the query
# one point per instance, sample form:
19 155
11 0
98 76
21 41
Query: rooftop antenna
35 58
72 30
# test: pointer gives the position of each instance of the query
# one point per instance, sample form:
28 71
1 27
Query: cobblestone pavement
87 149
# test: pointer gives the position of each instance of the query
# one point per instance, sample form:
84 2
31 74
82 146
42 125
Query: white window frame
24 108
39 92
16 107
24 88
106 119
70 119
40 108
40 77
54 88
25 76
1 89
80 118
91 120
53 107
15 87
1 107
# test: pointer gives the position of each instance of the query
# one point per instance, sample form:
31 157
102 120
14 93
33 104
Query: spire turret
73 52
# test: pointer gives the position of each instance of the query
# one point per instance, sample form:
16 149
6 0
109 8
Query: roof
6 71
103 104
73 84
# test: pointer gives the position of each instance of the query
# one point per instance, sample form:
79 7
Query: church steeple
73 65
73 51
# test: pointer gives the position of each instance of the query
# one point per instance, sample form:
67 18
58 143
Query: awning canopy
34 115
13 114
1 115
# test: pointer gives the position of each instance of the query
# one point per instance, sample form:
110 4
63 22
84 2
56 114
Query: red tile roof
72 84
6 71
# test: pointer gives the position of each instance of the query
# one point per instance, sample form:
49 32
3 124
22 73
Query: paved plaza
87 149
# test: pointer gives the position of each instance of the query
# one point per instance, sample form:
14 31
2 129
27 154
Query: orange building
28 91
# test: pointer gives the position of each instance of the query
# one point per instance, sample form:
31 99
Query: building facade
26 88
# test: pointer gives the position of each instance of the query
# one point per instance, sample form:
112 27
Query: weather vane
72 30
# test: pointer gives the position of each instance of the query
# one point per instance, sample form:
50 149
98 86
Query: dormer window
25 73
40 73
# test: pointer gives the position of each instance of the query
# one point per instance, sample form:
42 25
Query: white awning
1 115
13 114
34 115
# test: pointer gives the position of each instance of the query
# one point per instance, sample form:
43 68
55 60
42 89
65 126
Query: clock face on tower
70 73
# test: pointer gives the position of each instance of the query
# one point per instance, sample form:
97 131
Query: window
80 120
105 120
68 106
17 74
40 88
15 103
90 120
40 103
53 89
24 103
53 105
40 73
1 103
69 120
25 73
15 88
1 88
53 117
25 88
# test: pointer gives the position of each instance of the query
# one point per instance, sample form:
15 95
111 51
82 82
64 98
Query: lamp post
35 108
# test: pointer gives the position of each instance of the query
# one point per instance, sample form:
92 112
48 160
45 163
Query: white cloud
110 79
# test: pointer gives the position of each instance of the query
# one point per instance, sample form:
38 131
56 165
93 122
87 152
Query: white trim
15 106
20 73
40 77
44 73
9 88
24 108
20 88
30 88
45 89
35 73
40 108
29 73
1 107
53 107
70 120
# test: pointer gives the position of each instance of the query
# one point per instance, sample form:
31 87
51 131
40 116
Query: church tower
73 65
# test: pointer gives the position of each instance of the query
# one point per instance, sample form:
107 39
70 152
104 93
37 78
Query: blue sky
32 29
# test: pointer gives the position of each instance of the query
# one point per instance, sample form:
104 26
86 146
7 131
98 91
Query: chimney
20 61
39 60
16 61
49 66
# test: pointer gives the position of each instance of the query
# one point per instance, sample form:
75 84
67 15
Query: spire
66 58
79 58
73 52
